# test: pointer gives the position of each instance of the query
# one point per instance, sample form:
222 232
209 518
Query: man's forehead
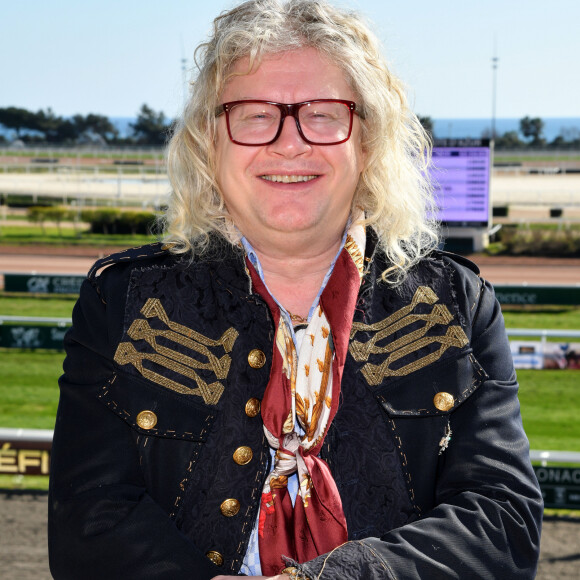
279 59
305 68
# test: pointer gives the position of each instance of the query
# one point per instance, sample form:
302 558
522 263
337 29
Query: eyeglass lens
321 122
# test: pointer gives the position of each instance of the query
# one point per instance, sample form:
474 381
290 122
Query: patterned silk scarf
305 388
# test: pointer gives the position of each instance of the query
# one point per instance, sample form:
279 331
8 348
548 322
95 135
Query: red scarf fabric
316 524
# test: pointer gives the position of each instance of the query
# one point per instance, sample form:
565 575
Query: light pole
494 64
184 74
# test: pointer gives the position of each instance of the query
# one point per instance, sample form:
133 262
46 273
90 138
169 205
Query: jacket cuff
351 561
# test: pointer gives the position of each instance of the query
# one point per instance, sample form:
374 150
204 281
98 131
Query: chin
291 223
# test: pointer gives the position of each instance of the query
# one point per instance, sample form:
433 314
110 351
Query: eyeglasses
319 122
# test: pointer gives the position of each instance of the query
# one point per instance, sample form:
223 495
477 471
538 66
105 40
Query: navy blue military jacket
159 455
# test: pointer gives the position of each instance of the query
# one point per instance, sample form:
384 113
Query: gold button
253 407
256 358
243 455
146 419
443 401
215 557
230 507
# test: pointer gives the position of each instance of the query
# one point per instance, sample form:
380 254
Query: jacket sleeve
487 512
102 522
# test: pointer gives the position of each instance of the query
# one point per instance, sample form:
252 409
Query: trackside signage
506 294
42 283
32 336
560 486
25 452
540 295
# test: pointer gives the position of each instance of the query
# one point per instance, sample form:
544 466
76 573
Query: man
296 384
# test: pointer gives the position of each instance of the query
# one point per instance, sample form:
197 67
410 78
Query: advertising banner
560 486
32 336
528 354
526 295
25 451
42 283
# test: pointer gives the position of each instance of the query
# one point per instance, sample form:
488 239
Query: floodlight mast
184 74
494 65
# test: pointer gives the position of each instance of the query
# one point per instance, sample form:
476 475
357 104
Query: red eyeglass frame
288 110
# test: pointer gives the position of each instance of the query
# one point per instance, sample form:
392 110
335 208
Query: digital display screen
460 176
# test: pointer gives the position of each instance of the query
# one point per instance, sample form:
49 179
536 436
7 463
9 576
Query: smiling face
289 187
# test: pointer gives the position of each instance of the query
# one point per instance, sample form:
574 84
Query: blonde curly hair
393 190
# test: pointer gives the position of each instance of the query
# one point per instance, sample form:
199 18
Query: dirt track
23 553
498 270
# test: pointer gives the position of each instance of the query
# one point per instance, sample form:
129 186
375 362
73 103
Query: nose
289 143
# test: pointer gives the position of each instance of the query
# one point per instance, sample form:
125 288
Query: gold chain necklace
297 319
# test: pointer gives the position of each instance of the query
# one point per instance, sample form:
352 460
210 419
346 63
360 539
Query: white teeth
288 178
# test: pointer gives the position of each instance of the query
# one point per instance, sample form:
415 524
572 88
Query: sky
111 56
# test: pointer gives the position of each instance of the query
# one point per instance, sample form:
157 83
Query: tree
37 215
17 119
102 219
65 131
52 126
135 222
532 128
569 138
93 124
427 123
150 128
57 214
509 140
56 129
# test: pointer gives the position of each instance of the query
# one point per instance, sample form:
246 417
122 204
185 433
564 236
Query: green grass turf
556 318
72 152
28 388
522 157
17 235
55 307
33 482
28 399
550 400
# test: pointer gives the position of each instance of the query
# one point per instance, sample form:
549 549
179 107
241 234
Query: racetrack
23 551
498 270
